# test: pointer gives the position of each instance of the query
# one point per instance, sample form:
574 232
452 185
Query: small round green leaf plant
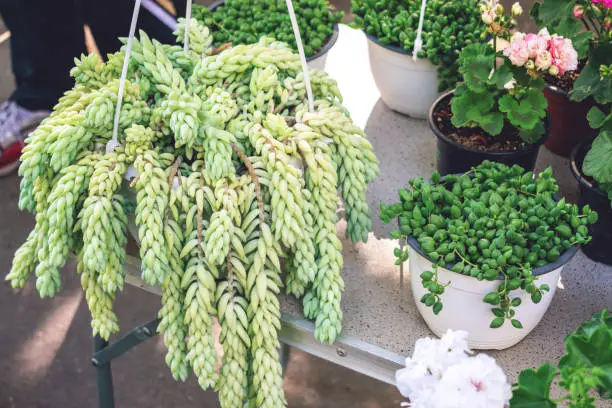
448 27
494 222
502 90
245 21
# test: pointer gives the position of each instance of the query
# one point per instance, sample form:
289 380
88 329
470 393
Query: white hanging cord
187 21
113 143
298 40
418 43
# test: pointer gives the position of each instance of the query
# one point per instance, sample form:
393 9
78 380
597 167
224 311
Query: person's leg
110 19
45 38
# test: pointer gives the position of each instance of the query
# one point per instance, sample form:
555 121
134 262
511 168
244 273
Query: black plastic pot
600 247
329 42
452 157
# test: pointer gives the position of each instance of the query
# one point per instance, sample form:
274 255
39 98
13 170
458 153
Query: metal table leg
104 379
103 353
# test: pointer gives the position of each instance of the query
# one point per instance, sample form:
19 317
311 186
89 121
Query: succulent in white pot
486 249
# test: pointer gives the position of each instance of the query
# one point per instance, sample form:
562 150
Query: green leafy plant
494 222
586 367
448 26
244 22
504 89
597 163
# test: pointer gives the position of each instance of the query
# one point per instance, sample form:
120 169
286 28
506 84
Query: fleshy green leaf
526 113
590 83
591 347
533 389
597 118
597 162
492 123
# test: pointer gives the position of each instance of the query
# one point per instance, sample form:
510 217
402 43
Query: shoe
15 124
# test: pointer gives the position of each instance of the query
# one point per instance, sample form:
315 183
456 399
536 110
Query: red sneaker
15 123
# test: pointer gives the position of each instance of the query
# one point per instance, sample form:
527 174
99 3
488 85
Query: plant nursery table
381 322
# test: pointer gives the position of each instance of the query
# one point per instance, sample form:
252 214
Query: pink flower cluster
605 3
542 52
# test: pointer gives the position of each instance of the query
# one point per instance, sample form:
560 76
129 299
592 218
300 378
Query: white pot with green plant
410 83
486 249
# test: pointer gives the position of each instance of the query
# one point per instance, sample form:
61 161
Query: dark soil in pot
600 247
459 149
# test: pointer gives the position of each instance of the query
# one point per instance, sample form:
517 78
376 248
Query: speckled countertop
377 308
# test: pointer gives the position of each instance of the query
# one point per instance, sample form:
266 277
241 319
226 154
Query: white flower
543 60
477 382
488 17
544 34
415 380
442 374
517 10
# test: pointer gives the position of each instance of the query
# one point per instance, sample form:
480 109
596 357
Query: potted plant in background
409 84
244 22
584 371
587 24
498 112
493 242
591 161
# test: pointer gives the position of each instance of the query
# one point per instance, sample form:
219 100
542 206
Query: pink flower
578 11
517 51
535 44
563 54
605 3
543 60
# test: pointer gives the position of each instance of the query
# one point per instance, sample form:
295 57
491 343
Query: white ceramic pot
405 85
464 308
318 60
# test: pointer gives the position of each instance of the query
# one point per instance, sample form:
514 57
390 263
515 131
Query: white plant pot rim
390 47
563 259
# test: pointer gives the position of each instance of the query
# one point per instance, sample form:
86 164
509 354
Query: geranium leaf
533 135
590 83
533 389
581 42
590 346
597 163
524 114
597 118
501 77
492 123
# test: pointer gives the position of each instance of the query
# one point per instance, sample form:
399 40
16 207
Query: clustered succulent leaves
507 96
243 22
583 371
494 222
234 174
448 27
